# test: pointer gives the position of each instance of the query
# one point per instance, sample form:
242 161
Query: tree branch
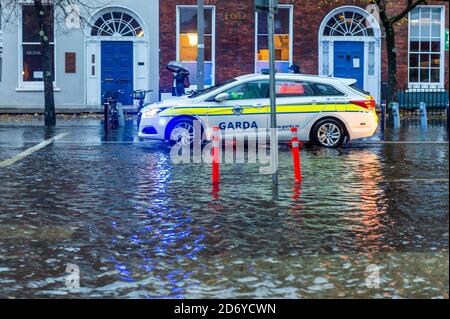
411 6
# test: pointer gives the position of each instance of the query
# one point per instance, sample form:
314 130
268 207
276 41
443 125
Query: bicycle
112 115
140 96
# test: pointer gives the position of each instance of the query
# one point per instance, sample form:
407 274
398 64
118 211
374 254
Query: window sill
418 86
35 89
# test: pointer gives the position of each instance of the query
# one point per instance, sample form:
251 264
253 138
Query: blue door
349 61
117 69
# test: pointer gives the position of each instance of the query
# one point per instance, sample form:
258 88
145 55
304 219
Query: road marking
416 180
31 150
346 145
398 142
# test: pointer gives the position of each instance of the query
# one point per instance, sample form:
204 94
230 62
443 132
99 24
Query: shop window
426 54
188 41
283 38
31 44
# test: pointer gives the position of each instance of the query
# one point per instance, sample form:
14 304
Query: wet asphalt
139 226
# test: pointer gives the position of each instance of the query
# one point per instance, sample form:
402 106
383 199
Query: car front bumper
153 128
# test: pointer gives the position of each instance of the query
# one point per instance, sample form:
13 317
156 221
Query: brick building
339 38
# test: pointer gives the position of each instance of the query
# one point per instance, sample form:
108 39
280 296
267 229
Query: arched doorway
350 47
116 54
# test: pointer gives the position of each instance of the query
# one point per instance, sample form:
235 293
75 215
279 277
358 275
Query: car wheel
183 133
328 133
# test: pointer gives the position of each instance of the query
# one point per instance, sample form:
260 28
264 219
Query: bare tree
51 15
389 23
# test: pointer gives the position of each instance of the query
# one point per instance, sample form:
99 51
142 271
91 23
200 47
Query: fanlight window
117 24
348 24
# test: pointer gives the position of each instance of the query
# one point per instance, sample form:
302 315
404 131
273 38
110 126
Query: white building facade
115 46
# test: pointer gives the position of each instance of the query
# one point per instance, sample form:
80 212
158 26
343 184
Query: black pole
106 110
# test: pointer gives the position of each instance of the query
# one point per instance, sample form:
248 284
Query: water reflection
161 240
138 226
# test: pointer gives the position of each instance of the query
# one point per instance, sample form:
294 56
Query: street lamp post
273 106
200 44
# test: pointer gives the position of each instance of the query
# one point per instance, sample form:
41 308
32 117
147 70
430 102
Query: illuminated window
282 39
426 45
31 43
188 41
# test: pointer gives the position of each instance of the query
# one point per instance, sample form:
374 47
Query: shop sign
235 16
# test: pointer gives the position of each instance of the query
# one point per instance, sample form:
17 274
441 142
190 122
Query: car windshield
210 89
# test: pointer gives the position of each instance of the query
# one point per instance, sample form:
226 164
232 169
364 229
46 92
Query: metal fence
436 101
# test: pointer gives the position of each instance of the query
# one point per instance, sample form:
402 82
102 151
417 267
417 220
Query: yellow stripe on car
310 108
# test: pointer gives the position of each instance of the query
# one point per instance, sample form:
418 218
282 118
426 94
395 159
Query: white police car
327 111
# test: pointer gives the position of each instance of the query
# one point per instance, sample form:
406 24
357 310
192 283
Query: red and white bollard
296 155
216 155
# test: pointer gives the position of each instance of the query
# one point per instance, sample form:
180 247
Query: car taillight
367 104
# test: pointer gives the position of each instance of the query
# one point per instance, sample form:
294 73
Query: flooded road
138 226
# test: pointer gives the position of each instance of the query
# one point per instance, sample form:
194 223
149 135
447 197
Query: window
118 24
188 40
293 88
372 58
31 44
211 89
283 40
356 88
348 24
426 54
249 90
327 90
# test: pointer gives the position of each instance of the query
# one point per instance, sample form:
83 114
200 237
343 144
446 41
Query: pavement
62 111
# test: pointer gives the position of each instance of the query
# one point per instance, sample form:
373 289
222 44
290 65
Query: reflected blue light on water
134 223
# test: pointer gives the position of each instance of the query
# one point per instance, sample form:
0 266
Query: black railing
435 99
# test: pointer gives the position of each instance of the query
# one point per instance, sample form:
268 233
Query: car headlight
152 112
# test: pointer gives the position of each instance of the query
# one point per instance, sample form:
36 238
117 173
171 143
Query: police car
327 111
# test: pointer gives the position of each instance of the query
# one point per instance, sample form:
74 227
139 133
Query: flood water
138 226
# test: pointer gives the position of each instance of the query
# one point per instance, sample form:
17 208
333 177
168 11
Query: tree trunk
45 27
392 62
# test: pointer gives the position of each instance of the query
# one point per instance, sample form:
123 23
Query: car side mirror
222 97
